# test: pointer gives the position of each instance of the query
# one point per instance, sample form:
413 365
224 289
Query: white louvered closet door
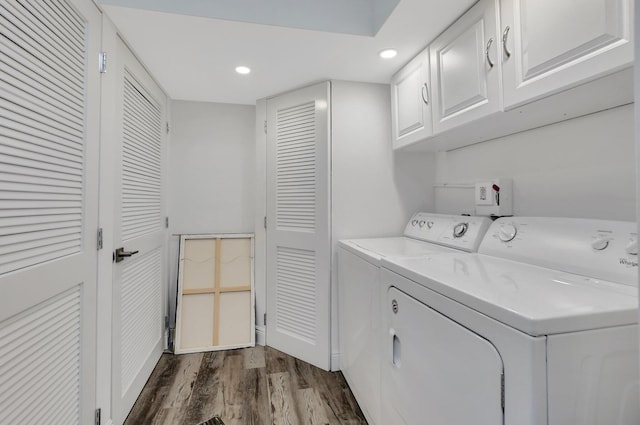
138 287
49 142
298 234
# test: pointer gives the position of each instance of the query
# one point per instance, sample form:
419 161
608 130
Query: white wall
373 191
584 167
211 184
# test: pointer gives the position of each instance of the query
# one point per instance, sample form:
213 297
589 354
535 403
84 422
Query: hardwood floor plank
301 373
282 400
254 357
177 400
276 360
336 394
154 392
159 419
311 407
229 399
252 386
202 403
257 408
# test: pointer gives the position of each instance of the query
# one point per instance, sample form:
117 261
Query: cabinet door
410 102
464 69
551 45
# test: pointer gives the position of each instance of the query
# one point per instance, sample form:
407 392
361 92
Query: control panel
603 249
454 231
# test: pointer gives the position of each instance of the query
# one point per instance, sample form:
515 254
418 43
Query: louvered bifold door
139 279
49 129
298 236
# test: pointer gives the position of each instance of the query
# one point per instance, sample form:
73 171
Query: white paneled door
49 142
298 235
139 271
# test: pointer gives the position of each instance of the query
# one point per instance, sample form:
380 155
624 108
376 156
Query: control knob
600 243
507 232
632 247
421 223
460 229
414 222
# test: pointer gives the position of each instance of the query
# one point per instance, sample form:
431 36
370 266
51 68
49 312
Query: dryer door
436 371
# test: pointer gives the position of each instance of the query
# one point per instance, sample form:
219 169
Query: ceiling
192 47
363 17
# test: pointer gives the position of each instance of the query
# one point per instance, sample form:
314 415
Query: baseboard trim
261 335
335 361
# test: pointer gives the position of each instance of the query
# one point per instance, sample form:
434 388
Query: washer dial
600 243
507 232
460 229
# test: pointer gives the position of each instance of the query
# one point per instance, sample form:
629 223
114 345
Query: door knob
120 254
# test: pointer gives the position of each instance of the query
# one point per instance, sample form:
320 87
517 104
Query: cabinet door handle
489 61
425 93
505 37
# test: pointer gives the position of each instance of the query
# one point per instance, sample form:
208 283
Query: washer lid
374 249
535 300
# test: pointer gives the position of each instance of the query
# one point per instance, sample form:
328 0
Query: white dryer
539 327
360 292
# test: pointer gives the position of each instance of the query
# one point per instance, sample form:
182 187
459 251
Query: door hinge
97 417
166 322
102 62
265 126
168 128
166 222
502 391
265 221
99 239
265 319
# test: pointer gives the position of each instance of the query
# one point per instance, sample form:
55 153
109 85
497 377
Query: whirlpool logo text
628 263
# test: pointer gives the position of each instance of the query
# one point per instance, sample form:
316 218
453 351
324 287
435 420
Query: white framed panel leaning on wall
216 294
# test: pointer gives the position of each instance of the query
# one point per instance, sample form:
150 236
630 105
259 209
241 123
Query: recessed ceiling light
388 53
243 69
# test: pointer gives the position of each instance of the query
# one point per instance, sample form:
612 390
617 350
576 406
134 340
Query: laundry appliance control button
507 232
632 247
600 243
460 229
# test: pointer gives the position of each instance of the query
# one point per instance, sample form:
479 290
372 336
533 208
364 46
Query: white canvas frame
178 329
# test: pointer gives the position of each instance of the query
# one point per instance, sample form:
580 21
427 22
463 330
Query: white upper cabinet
411 102
465 74
552 45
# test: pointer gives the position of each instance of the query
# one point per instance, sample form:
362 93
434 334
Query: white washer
539 327
360 292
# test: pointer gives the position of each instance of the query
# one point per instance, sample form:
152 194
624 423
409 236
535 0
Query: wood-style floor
251 386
